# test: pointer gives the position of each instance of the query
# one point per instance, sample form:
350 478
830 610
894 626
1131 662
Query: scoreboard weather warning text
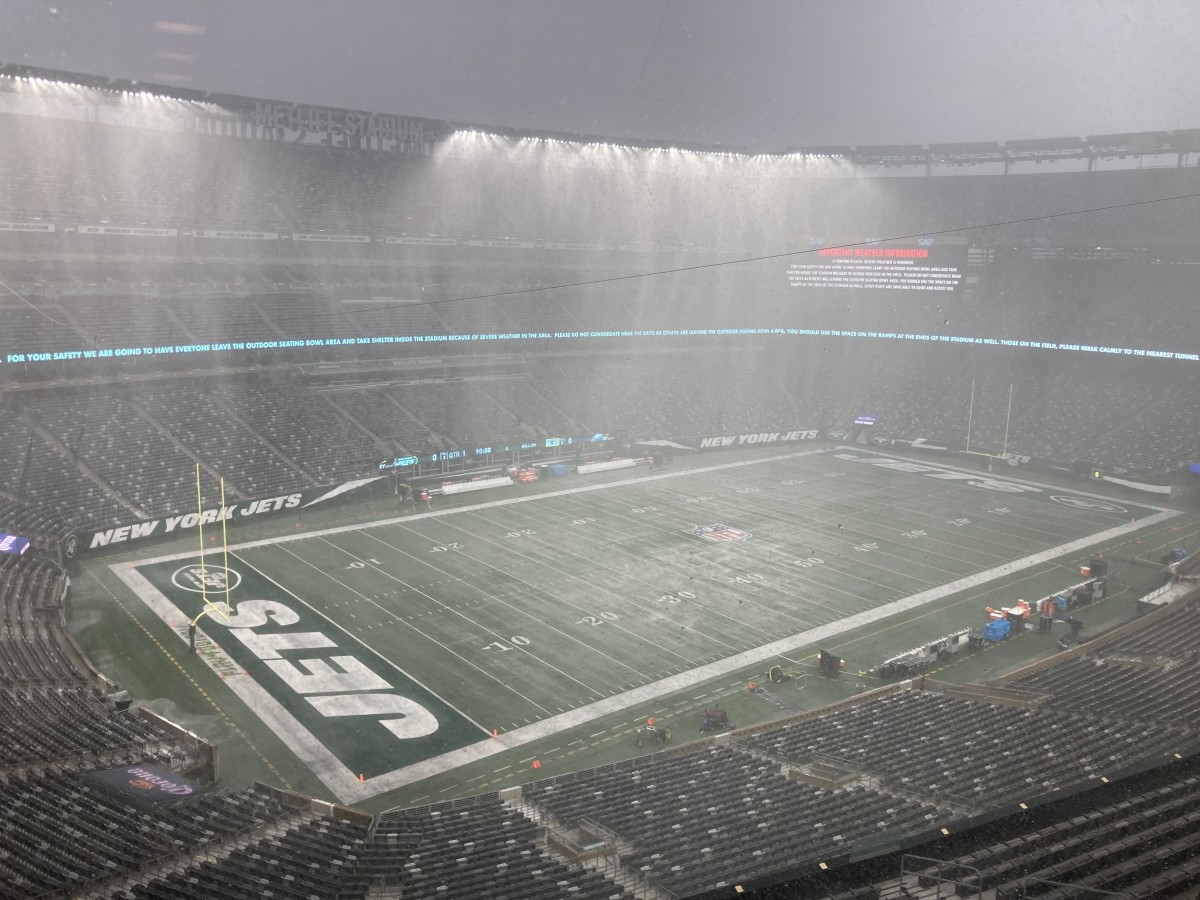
926 266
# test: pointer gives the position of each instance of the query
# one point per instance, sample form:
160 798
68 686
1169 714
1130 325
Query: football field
402 648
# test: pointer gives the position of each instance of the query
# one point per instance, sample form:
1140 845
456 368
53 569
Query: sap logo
926 242
330 691
817 241
898 465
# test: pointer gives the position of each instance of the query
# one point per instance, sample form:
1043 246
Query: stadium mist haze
765 76
483 529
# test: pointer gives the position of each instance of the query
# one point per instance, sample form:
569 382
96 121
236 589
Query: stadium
396 507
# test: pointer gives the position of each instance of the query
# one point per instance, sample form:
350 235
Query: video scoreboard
485 450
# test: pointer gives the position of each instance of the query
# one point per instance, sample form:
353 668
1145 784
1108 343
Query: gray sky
764 74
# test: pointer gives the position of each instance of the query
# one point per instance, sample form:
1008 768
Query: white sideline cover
584 468
465 487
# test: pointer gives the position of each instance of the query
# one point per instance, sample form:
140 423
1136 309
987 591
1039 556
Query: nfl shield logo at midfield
719 533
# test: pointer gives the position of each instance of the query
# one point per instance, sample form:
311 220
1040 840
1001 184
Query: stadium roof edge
1131 144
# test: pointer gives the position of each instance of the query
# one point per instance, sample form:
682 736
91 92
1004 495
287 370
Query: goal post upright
1007 420
225 536
208 605
1003 454
200 525
970 414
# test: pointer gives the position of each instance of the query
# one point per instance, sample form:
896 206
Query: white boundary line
343 784
642 479
997 476
490 504
320 760
641 695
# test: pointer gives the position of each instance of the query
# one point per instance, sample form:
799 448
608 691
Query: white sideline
346 787
641 695
344 784
490 504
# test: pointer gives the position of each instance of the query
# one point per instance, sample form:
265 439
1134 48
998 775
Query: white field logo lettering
970 478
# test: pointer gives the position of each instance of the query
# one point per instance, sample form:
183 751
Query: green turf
520 612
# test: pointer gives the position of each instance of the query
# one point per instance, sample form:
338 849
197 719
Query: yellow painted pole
200 525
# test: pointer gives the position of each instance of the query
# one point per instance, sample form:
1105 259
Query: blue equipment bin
997 630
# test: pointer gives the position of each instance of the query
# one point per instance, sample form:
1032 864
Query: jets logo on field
719 533
881 439
837 434
212 578
1088 503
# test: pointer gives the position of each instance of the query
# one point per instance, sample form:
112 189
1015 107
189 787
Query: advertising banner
127 232
148 783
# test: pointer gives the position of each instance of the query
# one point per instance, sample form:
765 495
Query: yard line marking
380 655
598 733
672 684
1049 487
490 504
711 609
813 584
764 510
516 609
467 618
654 614
1050 526
585 713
